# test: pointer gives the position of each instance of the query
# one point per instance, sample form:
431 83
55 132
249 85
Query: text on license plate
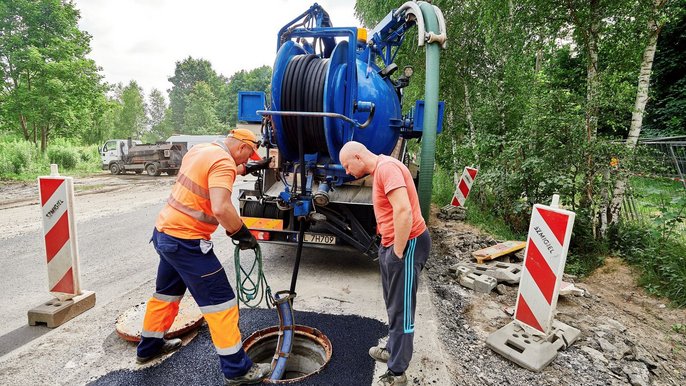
317 238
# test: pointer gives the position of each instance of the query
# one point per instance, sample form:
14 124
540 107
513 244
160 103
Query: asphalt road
119 265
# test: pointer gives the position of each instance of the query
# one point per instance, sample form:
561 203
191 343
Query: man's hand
254 166
399 254
245 239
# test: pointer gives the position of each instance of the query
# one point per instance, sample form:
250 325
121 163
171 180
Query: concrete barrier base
533 352
503 272
55 312
475 280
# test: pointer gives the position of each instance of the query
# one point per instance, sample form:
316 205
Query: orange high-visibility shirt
188 213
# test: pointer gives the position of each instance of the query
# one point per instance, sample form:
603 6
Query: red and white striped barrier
463 186
59 230
544 262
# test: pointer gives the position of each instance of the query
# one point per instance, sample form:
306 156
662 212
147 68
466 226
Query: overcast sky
143 39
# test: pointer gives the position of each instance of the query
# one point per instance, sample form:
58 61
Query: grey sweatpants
399 278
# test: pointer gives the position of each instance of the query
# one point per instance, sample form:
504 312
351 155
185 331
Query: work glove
253 166
245 239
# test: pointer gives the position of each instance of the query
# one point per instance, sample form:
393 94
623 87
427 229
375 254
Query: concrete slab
55 312
533 352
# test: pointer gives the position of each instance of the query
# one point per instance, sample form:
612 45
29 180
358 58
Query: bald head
350 149
357 159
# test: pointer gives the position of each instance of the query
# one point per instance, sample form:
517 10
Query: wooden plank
498 250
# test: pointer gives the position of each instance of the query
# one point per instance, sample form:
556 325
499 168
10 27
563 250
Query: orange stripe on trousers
224 327
159 315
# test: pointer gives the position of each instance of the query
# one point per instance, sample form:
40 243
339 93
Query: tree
666 109
157 111
655 23
105 121
258 79
187 73
132 121
48 85
200 116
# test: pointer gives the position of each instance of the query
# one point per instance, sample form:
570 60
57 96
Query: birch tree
655 23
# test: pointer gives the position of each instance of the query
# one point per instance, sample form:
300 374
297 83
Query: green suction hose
426 166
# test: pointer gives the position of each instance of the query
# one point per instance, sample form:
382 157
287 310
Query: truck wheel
152 170
114 168
172 172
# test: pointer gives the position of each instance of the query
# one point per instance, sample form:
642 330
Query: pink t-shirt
391 174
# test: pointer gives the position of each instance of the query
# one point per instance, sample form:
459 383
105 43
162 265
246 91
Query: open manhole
310 353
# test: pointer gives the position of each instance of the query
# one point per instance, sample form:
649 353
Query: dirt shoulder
627 337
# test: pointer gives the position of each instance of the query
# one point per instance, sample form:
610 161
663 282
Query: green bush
22 160
16 157
65 157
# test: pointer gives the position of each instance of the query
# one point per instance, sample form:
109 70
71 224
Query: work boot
257 373
390 379
379 354
168 346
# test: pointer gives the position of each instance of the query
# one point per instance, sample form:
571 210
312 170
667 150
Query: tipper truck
120 156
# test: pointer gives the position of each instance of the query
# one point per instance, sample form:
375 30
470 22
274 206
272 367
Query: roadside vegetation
555 98
21 161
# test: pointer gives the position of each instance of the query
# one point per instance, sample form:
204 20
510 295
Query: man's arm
402 219
224 211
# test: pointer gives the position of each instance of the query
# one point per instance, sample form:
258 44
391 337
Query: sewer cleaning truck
331 85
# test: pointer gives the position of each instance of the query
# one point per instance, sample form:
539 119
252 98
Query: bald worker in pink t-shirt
405 246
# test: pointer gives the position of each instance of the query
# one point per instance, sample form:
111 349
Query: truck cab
114 151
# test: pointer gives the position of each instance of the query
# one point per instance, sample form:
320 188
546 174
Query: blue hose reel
348 97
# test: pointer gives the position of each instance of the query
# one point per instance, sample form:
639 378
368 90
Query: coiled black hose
303 90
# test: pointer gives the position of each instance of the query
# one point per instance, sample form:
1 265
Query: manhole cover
130 323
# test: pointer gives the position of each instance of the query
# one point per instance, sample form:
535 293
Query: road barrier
61 250
534 337
550 231
59 233
463 186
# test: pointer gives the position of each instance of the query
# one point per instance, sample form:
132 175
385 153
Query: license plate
317 238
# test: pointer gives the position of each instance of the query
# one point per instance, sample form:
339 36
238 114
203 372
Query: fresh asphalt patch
198 364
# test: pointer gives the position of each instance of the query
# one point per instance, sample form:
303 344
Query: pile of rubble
450 212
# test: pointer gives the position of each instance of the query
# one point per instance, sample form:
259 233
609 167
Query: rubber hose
431 83
287 328
303 90
249 290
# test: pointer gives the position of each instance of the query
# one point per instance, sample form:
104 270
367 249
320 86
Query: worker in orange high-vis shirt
200 201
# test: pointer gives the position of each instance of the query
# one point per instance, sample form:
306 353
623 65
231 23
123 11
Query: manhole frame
300 330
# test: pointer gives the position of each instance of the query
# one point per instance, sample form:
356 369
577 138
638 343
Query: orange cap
247 136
